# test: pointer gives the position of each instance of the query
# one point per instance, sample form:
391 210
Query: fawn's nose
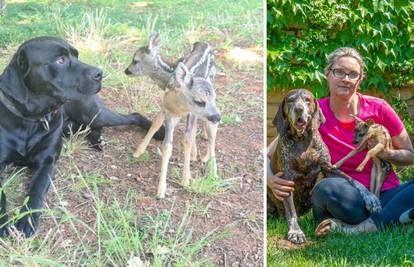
127 72
214 118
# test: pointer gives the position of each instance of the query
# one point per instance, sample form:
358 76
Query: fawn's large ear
358 120
370 122
318 118
183 75
154 43
12 82
280 119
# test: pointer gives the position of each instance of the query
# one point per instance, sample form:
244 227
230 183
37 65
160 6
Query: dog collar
10 106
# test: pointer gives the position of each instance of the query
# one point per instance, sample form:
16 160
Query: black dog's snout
127 72
97 75
214 118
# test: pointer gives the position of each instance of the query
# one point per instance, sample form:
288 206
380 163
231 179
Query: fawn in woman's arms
376 138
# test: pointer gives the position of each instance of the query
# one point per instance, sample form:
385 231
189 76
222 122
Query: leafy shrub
302 33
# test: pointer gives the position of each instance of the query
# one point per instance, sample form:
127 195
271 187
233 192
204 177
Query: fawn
374 137
148 62
188 92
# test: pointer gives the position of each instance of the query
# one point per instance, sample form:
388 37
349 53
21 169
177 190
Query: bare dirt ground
239 152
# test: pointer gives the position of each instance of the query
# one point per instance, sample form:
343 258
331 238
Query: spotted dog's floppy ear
12 79
280 119
317 118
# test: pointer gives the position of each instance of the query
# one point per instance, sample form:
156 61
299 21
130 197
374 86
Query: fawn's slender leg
188 143
211 149
170 123
371 153
361 147
192 122
156 124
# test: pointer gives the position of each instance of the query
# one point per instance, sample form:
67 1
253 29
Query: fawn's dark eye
200 103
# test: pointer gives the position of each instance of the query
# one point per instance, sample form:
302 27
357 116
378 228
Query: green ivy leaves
302 33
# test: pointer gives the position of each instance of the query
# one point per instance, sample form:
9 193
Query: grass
390 247
211 184
86 229
118 233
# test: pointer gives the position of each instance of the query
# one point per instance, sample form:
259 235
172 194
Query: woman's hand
281 188
402 153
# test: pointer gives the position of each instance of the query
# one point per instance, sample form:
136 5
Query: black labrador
44 86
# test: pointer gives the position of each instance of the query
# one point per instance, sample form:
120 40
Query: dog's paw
372 203
296 236
4 231
28 224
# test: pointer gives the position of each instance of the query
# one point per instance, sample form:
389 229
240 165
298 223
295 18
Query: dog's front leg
170 123
156 124
37 190
295 234
3 215
211 149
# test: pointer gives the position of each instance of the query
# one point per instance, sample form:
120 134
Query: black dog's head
49 67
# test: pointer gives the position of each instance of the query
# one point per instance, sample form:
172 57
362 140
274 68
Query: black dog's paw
97 147
28 224
160 134
4 231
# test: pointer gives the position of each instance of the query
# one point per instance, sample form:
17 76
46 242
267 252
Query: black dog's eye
61 60
200 103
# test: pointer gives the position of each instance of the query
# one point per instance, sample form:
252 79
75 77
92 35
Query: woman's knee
326 190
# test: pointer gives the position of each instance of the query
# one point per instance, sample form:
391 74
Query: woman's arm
402 153
280 188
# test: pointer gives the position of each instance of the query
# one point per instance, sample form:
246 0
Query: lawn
101 208
390 247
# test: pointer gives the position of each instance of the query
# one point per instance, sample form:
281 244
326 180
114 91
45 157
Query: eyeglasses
340 73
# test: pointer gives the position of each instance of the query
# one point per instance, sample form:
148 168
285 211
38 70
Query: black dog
43 74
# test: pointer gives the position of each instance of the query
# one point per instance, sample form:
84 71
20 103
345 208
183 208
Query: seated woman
335 203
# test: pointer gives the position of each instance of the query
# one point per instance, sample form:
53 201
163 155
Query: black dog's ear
318 118
280 119
73 51
12 79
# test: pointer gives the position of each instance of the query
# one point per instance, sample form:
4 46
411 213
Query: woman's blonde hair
345 52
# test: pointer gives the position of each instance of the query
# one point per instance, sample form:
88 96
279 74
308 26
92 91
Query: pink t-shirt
338 136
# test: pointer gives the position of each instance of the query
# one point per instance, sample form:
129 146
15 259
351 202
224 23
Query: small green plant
400 106
75 142
231 118
210 184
